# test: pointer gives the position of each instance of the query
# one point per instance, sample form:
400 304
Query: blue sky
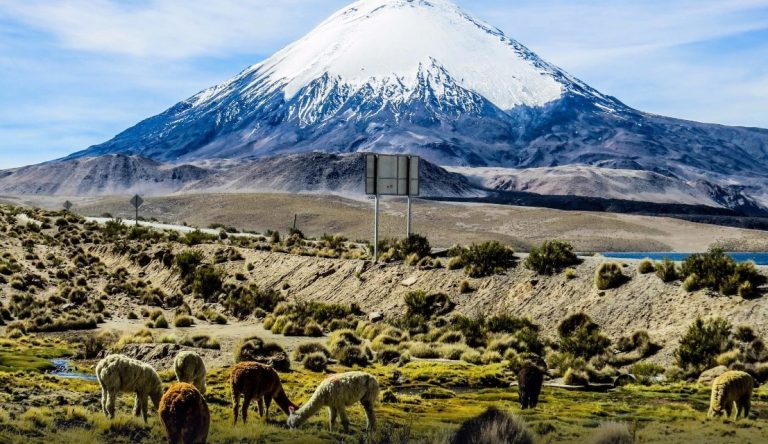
74 73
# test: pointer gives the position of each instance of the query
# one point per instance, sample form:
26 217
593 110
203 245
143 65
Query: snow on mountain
426 77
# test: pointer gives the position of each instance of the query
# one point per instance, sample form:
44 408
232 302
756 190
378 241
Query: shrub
493 426
575 377
612 433
419 303
315 362
609 275
183 321
570 273
244 301
551 257
666 270
415 244
313 329
646 266
472 356
197 237
305 349
455 263
702 343
718 271
464 287
581 337
161 322
207 282
487 258
187 262
692 283
270 353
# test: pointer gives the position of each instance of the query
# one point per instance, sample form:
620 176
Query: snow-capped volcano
426 77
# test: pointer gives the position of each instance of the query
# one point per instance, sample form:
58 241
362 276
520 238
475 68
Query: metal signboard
67 205
391 175
136 201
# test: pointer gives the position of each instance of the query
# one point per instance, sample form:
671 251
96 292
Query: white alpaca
189 367
337 393
120 374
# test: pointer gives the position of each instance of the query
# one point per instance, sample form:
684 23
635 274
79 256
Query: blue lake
760 258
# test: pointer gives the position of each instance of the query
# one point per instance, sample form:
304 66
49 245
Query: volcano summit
426 77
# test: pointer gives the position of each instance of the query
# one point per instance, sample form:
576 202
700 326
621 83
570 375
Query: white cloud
169 28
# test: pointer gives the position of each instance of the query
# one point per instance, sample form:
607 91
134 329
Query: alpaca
729 388
184 414
529 381
189 367
118 373
337 393
256 380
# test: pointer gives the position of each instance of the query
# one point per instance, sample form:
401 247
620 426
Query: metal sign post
390 175
136 201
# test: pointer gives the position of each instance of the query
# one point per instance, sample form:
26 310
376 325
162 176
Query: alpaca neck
282 401
307 410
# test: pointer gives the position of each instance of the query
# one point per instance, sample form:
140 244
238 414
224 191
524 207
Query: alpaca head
715 412
293 418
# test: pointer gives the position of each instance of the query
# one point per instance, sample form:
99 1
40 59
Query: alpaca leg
370 414
344 419
144 407
111 404
728 409
331 417
267 404
260 405
104 396
235 406
246 404
137 405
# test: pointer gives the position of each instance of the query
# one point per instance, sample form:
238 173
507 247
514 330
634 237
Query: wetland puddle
64 369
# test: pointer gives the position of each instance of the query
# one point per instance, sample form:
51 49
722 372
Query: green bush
718 271
244 301
197 237
646 266
609 275
666 270
581 337
702 343
315 362
486 259
551 257
419 303
692 283
207 282
187 262
415 244
183 321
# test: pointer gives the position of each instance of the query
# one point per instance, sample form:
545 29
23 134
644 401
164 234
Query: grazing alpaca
337 393
184 415
118 373
529 381
255 380
189 367
729 388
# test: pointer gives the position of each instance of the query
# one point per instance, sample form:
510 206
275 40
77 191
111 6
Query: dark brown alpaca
184 415
254 380
529 380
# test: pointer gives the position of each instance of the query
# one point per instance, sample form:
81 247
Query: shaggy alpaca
184 415
255 380
729 388
529 381
189 367
337 393
492 427
118 373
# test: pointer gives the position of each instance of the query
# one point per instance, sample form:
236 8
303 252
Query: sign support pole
408 220
375 228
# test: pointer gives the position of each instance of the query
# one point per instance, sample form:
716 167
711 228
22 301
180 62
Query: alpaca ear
291 409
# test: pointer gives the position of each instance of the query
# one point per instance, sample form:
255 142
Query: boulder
707 376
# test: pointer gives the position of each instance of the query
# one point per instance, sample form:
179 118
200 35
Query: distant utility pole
136 201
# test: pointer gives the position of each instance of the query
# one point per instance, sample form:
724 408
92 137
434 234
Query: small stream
64 369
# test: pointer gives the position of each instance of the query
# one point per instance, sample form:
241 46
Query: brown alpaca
529 381
184 415
255 380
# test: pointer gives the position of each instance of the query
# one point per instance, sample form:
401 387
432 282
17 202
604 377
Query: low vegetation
551 257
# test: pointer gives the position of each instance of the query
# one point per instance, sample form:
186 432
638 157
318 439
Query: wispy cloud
76 72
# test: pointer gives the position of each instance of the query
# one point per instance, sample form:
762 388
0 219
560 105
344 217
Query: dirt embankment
645 302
